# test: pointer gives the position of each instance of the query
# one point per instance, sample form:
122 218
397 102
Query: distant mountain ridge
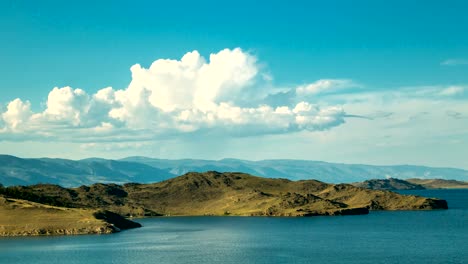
18 171
305 169
69 173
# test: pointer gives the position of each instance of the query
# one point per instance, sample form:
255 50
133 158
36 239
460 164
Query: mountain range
17 171
69 173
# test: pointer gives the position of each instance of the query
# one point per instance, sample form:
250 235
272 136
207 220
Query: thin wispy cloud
454 62
453 91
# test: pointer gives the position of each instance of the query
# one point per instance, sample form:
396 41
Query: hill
388 184
215 193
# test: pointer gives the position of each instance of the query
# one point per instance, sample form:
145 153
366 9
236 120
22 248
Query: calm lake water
380 237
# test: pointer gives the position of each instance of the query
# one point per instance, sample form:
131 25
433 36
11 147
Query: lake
381 237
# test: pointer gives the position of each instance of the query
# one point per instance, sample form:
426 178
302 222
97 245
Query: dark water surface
380 237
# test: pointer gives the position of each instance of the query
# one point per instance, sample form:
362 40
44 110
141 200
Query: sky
371 82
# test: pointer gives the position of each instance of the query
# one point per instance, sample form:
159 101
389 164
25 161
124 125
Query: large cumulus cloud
175 98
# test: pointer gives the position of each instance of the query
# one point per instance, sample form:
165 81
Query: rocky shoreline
59 232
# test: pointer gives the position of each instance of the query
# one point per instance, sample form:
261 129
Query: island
101 208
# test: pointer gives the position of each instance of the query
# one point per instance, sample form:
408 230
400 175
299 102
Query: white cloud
192 82
175 98
18 112
67 104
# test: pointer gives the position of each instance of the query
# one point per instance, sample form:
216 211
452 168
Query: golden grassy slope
25 218
20 217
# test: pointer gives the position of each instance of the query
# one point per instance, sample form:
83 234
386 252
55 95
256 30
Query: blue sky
385 82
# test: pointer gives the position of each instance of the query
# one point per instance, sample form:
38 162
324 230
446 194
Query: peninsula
193 194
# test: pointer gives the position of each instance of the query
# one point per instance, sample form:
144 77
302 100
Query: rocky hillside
214 193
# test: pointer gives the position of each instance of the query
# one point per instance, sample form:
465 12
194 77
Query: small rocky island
47 209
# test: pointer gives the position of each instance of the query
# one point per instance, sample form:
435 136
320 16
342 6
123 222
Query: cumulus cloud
18 112
67 104
192 82
175 98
